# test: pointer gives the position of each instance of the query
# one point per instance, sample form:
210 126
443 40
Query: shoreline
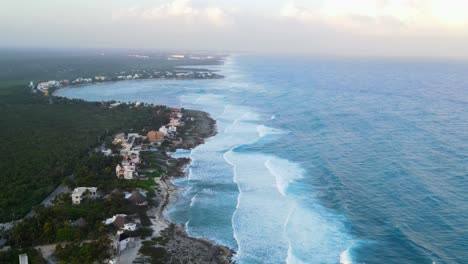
202 248
49 88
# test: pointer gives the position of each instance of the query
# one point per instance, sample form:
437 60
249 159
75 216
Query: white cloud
181 10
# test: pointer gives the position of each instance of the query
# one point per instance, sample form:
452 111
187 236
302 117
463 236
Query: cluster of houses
46 87
131 145
129 77
168 131
130 152
124 224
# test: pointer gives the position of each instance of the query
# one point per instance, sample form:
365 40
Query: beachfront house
136 198
81 193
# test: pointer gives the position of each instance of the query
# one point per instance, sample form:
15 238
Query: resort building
45 86
83 192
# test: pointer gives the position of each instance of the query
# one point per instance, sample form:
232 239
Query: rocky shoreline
172 243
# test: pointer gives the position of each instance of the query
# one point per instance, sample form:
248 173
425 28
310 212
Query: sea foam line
280 186
235 180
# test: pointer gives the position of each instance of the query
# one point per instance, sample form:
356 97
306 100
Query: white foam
264 130
258 199
181 153
345 258
284 172
234 233
193 200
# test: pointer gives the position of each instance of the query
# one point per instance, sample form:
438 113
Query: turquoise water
321 160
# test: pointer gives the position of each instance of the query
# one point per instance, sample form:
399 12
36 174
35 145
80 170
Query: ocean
323 160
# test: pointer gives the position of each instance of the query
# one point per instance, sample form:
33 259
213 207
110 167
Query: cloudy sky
338 27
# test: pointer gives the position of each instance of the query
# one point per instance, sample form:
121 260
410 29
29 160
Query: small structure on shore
83 192
136 198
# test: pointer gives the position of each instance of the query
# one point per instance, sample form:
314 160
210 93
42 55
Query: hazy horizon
390 28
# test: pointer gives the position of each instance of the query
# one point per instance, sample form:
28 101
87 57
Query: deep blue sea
323 160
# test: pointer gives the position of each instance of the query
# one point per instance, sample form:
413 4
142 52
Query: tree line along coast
114 190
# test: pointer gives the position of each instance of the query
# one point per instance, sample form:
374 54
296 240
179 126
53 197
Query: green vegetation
77 253
44 138
44 142
11 256
49 140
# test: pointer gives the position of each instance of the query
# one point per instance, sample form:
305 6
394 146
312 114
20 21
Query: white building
164 130
107 152
83 192
45 86
127 171
123 241
172 129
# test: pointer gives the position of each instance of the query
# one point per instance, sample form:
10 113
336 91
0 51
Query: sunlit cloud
376 27
177 9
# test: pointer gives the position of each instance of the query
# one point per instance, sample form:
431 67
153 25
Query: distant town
50 86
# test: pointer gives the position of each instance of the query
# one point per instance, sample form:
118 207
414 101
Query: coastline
175 238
